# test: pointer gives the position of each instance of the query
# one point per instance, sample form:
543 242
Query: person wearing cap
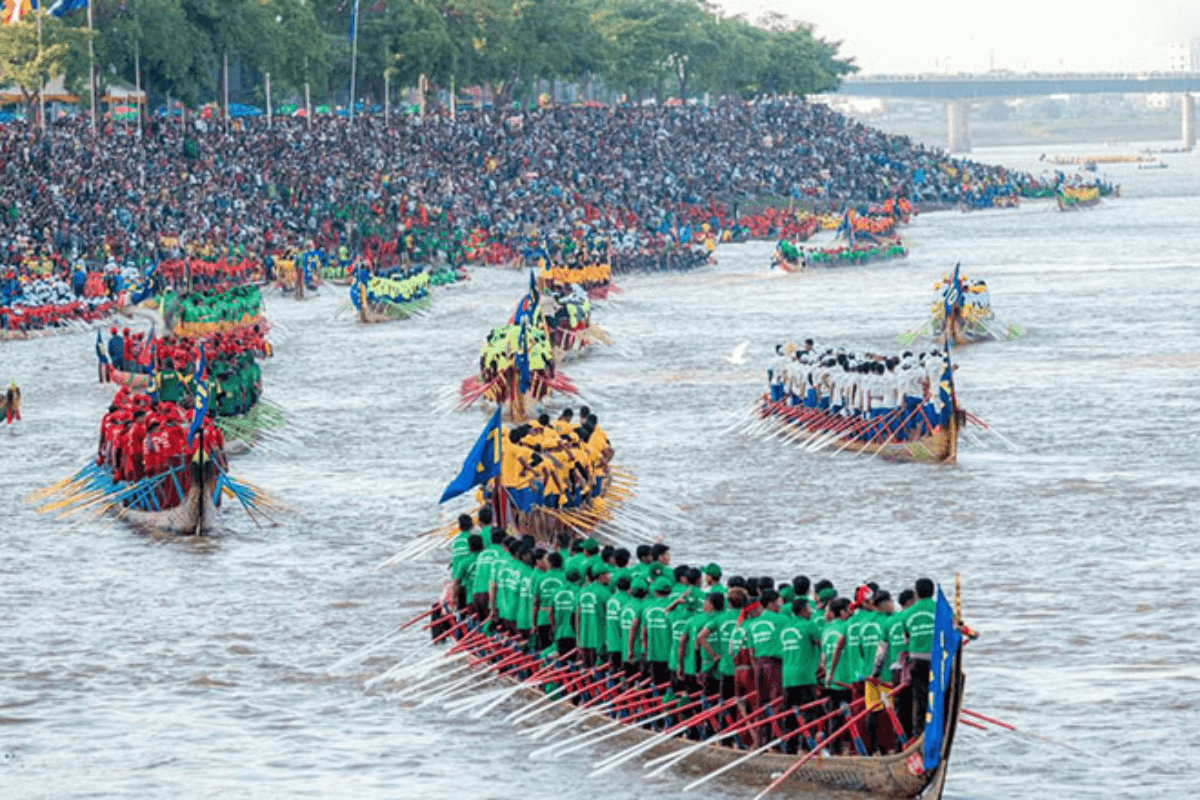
593 603
800 640
712 579
563 616
548 584
116 350
767 652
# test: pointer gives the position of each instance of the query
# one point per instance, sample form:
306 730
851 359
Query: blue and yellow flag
525 380
946 640
529 303
200 403
482 463
953 293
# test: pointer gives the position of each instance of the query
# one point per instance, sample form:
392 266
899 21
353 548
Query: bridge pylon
959 112
1189 123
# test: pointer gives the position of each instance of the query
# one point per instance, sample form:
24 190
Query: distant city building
1182 56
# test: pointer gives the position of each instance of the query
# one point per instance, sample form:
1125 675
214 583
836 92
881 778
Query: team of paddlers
970 297
553 464
141 438
231 357
869 396
796 655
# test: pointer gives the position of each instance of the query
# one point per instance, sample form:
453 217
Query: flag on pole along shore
11 11
62 7
946 640
482 463
200 402
353 19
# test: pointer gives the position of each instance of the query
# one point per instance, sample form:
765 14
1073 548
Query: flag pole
353 56
42 81
225 89
267 76
137 81
92 69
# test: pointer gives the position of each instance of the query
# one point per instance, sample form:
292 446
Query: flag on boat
482 463
953 292
200 402
946 640
529 303
522 358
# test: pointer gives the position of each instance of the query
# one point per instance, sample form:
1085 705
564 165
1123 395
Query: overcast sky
969 36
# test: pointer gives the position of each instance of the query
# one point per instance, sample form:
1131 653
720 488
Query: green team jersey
485 567
576 562
918 624
527 577
566 600
612 622
764 634
852 654
547 587
630 611
872 632
801 642
679 625
592 601
895 634
695 658
464 569
733 639
833 631
508 584
657 628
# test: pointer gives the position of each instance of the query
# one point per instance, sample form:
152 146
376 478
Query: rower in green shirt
563 613
548 585
593 600
800 639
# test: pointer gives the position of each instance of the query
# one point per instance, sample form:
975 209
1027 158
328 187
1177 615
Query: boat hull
899 775
195 516
938 446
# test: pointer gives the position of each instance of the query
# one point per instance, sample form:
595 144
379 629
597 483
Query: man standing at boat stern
767 649
918 632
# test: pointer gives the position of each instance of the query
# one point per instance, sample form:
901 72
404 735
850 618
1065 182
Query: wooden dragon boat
897 775
1072 199
504 389
373 312
195 516
956 330
938 444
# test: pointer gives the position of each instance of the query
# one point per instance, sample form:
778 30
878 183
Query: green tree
28 65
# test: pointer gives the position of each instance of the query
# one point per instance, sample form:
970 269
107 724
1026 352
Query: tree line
513 48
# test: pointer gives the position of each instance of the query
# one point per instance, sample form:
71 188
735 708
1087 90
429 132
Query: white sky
970 36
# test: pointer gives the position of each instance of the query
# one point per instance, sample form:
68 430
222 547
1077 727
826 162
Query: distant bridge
960 90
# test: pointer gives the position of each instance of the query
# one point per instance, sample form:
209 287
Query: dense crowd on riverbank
641 171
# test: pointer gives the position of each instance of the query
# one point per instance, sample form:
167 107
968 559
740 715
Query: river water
136 667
